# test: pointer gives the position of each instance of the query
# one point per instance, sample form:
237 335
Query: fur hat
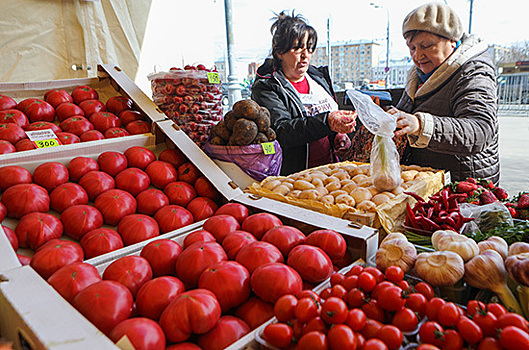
436 18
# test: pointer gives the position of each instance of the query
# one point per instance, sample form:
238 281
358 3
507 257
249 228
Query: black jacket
295 131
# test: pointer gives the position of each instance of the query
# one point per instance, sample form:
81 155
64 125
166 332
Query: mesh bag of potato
346 190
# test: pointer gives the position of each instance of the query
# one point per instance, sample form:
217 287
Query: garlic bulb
437 235
443 268
462 245
496 243
518 247
397 252
518 267
393 235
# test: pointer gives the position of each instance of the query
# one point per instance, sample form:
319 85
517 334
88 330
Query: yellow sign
268 148
213 78
47 143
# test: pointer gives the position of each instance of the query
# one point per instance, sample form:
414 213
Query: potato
263 120
316 174
248 109
271 134
359 178
289 180
317 182
380 198
408 175
229 120
281 189
360 194
389 194
331 179
288 184
294 193
342 175
373 190
326 170
305 176
337 193
271 184
327 199
366 183
345 199
333 186
303 185
294 176
322 190
217 140
366 205
244 131
309 194
346 182
349 167
348 188
260 138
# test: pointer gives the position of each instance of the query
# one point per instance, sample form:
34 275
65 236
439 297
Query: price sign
43 138
213 78
268 148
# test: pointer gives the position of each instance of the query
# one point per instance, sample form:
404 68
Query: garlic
440 268
518 247
462 245
437 235
396 251
518 267
496 243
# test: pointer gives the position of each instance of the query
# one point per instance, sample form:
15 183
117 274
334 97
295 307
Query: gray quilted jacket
457 107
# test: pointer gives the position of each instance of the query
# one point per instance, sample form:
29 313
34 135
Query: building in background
398 71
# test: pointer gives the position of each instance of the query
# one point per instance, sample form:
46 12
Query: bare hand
406 123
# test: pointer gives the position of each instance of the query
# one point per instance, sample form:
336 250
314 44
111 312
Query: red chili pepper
415 195
411 216
430 224
444 197
430 212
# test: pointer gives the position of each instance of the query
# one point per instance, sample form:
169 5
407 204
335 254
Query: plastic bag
487 216
251 159
385 160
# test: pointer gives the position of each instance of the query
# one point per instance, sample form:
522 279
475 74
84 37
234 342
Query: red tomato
118 104
512 319
13 175
67 109
184 345
39 110
417 302
162 255
374 344
366 281
43 126
154 295
173 217
257 254
71 279
24 260
433 307
284 238
487 321
76 125
392 299
427 347
7 147
228 330
271 281
229 281
202 208
173 156
238 211
14 116
255 312
284 307
405 319
35 229
355 297
391 336
497 309
80 219
105 304
143 333
425 289
235 241
431 332
197 258
56 97
314 324
188 172
12 133
356 319
114 205
24 145
205 188
336 278
66 195
334 310
112 162
379 288
313 340
278 334
150 200
100 241
7 102
139 157
448 315
198 236
66 138
330 241
79 166
489 343
258 224
196 311
473 306
129 116
469 330
311 262
514 338
131 271
379 276
161 173
138 127
371 328
84 92
180 193
91 106
133 180
136 228
22 199
452 340
341 336
92 135
394 273
54 255
221 225
11 236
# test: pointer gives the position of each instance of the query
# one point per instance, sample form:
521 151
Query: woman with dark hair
300 97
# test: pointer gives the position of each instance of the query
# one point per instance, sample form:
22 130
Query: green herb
517 233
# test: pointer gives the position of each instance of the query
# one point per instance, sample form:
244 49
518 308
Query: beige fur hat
434 17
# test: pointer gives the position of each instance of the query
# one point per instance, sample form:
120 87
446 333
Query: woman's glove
342 121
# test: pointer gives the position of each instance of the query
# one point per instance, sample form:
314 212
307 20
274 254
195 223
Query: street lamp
387 42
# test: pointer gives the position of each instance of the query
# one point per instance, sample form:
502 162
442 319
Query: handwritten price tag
47 143
43 138
213 78
268 148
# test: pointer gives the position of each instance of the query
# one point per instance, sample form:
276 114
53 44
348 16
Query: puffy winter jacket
457 107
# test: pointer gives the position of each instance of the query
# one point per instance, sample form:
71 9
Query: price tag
213 78
43 138
268 148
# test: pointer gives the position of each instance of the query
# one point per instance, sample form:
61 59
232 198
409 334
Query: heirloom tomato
221 225
57 97
114 205
23 199
284 238
67 110
100 241
7 147
7 102
104 121
39 110
91 106
257 254
92 135
66 138
138 127
131 271
258 224
112 162
14 116
197 258
79 166
133 180
80 219
150 200
84 92
154 295
188 172
161 173
77 125
228 330
118 104
71 279
162 255
24 145
50 175
173 156
330 241
235 241
141 332
255 311
180 193
271 281
139 157
202 208
173 217
43 126
238 211
35 229
115 132
129 116
136 228
198 236
55 254
12 132
312 263
13 175
11 237
205 188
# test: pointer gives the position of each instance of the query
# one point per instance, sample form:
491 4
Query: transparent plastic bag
487 216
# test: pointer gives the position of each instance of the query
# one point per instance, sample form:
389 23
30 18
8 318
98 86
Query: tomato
336 278
66 110
115 132
311 262
84 92
373 310
188 172
76 125
180 193
431 332
150 200
489 343
138 127
195 259
284 238
14 116
271 281
228 330
356 319
154 295
379 276
118 104
79 166
69 280
139 157
278 334
341 337
202 208
112 162
487 321
405 319
355 297
512 319
35 229
91 106
161 173
205 188
105 304
371 328
161 255
133 180
392 299
452 340
425 289
313 340
497 309
114 205
394 273
339 291
13 175
43 126
229 281
255 311
23 199
92 135
366 281
330 241
80 219
284 307
427 347
221 225
141 332
7 147
433 307
198 236
234 241
195 311
129 116
391 336
514 338
448 315
66 138
173 156
7 102
136 228
100 241
473 306
66 195
379 288
257 254
56 97
12 133
184 345
24 145
334 310
11 236
39 110
417 302
258 224
54 255
469 330
173 217
131 271
238 211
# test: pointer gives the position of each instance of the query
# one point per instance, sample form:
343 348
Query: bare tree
516 52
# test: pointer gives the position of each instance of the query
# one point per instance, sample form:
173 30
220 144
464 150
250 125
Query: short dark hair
288 32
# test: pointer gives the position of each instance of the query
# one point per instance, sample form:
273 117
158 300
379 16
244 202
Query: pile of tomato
366 309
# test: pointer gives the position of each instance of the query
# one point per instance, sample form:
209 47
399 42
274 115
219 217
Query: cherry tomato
360 340
431 332
514 338
474 306
340 337
354 271
355 298
375 293
374 311
278 334
405 320
371 328
417 302
356 319
489 343
314 341
427 347
394 273
366 281
334 310
391 299
487 321
448 315
311 294
403 284
315 324
350 282
306 309
512 319
326 293
375 272
497 309
432 308
452 340
374 344
338 291
391 336
469 330
284 307
425 289
336 278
